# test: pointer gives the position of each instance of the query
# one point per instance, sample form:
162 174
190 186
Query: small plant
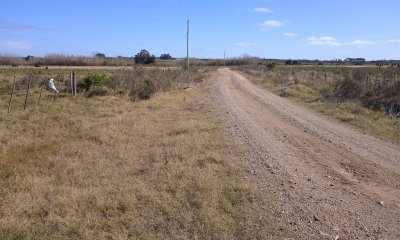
94 80
270 65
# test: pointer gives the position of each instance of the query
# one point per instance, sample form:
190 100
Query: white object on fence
51 85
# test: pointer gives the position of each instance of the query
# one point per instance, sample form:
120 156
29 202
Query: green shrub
94 80
270 65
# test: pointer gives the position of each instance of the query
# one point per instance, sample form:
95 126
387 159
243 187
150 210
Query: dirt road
326 180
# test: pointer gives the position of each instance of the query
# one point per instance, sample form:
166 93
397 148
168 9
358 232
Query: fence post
74 83
12 91
27 90
71 83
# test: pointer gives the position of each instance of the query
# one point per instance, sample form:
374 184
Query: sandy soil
326 180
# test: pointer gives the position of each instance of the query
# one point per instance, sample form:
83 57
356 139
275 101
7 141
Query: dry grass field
366 97
107 167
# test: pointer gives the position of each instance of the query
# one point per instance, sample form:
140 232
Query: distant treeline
100 59
347 61
65 60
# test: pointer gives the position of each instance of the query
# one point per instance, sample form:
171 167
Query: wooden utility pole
224 58
187 45
27 90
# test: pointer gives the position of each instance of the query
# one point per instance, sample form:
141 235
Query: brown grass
109 168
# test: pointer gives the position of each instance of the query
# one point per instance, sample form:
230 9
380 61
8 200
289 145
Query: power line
182 8
179 43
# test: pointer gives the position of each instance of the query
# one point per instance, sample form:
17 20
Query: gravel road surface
325 179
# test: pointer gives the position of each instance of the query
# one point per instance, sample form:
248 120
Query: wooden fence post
71 84
74 87
27 90
12 91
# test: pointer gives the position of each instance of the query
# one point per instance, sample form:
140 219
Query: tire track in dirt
328 180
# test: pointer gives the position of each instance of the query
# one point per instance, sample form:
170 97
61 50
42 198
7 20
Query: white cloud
263 10
362 42
290 34
271 24
16 45
393 41
245 45
331 41
325 41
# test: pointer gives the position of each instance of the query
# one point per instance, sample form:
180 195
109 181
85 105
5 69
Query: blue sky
309 29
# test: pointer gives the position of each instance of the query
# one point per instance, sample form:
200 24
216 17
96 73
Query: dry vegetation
367 97
112 168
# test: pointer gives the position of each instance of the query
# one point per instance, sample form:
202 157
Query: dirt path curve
328 180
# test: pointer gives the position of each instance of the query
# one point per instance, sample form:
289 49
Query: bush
142 90
95 79
348 89
270 65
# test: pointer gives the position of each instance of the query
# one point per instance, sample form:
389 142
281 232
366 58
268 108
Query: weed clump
94 80
142 90
348 89
97 91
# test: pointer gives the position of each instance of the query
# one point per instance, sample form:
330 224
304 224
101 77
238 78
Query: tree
144 57
29 58
100 55
289 62
165 56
